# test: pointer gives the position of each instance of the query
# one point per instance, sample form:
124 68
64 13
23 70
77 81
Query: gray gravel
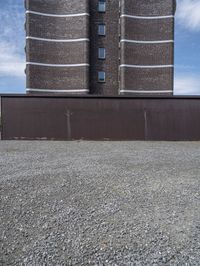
100 203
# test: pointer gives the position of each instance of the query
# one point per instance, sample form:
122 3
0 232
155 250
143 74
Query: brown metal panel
172 119
65 118
103 118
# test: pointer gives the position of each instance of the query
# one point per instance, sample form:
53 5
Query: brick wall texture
132 39
52 48
151 49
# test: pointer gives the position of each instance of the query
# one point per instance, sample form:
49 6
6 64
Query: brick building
105 47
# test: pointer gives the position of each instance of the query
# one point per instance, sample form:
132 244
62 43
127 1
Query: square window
101 76
102 53
102 6
102 29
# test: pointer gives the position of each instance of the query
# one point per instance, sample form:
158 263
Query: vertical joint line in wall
145 124
68 114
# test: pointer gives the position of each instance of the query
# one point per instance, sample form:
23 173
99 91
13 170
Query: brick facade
138 46
58 42
111 43
147 47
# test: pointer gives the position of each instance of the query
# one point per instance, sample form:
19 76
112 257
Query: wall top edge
23 95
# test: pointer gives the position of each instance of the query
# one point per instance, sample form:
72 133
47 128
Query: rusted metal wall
100 118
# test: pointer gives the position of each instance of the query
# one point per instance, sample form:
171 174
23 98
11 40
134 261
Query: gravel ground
99 203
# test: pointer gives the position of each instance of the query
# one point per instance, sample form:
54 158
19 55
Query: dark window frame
101 53
103 31
102 6
101 80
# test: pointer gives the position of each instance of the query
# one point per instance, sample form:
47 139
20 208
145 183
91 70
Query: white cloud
188 14
11 62
187 85
12 56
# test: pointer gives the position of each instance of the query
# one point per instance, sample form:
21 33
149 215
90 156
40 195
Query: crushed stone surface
99 203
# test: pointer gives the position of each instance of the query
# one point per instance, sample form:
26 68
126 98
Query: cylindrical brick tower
147 47
57 46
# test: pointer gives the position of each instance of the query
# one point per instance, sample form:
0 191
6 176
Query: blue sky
187 47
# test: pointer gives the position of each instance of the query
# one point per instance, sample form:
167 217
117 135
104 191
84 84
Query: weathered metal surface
100 118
